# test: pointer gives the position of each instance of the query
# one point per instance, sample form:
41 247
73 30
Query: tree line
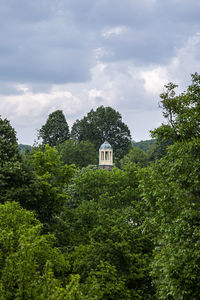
71 232
103 124
81 145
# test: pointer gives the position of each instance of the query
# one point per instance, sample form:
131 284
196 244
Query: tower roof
105 145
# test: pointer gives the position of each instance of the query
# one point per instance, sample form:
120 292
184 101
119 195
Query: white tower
106 156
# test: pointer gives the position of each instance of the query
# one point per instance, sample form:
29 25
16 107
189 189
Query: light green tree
49 179
30 266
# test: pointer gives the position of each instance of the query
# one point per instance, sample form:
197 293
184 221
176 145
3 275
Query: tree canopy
103 124
86 233
56 129
101 229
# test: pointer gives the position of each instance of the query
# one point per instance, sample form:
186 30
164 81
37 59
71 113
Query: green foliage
8 143
81 153
103 124
134 156
49 178
153 149
124 232
92 184
104 283
56 129
182 113
101 229
171 190
30 266
159 150
13 176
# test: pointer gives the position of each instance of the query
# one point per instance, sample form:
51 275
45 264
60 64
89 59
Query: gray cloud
54 41
76 55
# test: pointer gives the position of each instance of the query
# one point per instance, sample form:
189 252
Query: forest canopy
69 230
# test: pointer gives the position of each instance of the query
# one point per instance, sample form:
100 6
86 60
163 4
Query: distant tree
103 124
81 153
134 156
56 129
24 148
144 145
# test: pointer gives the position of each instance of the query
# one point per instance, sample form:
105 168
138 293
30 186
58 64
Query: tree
8 142
49 179
30 266
81 153
103 124
182 113
101 230
134 156
56 129
13 175
171 190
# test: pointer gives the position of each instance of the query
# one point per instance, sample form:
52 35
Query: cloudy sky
76 55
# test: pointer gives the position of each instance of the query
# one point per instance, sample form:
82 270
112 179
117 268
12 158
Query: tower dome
106 156
105 145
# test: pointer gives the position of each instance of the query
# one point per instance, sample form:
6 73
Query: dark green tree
56 129
81 153
103 124
8 143
13 175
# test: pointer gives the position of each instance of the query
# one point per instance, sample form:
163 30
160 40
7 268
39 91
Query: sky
76 55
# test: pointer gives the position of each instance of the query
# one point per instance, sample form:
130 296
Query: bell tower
106 156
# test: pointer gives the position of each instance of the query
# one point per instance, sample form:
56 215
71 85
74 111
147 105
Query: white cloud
31 107
113 31
155 79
